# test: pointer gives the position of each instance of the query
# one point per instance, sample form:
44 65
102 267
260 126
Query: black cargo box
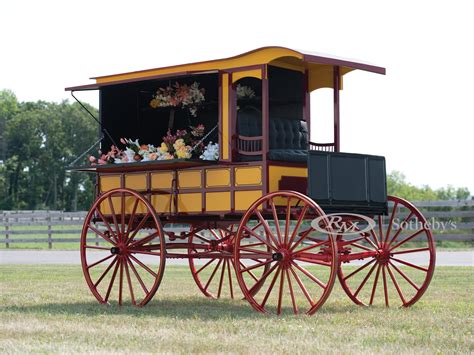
346 182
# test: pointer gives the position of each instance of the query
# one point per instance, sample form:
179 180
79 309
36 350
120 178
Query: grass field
49 309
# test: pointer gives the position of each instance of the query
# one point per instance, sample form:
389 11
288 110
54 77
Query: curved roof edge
259 56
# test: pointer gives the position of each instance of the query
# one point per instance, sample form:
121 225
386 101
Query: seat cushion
288 134
291 155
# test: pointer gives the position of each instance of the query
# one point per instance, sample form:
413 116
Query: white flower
211 152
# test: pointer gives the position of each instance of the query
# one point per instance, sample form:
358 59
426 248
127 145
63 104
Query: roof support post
265 127
337 127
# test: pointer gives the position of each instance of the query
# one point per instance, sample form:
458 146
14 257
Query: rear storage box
346 182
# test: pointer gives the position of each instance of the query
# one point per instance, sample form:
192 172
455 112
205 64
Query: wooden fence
21 227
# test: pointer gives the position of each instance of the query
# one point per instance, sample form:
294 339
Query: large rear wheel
125 261
283 264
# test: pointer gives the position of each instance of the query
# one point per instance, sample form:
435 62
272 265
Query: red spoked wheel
126 260
283 264
211 261
403 260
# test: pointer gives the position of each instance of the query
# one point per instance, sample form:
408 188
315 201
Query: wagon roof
282 56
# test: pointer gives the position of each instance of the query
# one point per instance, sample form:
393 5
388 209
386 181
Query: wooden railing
324 147
249 145
48 227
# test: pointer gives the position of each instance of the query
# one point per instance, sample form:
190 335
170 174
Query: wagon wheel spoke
105 237
268 231
390 223
114 218
100 261
276 221
99 280
129 282
292 294
107 225
131 219
397 286
309 275
302 287
259 238
112 280
404 255
374 287
359 269
139 279
364 281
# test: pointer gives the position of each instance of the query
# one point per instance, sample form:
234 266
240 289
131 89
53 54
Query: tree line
38 140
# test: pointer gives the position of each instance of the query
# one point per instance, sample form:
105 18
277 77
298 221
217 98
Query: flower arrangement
181 145
179 95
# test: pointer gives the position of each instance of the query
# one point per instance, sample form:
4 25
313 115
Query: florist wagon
213 162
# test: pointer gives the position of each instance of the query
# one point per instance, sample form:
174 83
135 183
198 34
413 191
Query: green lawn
49 309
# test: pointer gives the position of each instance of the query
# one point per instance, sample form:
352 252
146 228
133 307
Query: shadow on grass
181 308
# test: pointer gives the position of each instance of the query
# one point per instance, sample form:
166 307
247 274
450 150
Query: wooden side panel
191 202
136 181
246 176
189 179
218 201
276 172
109 182
218 177
162 203
243 199
162 180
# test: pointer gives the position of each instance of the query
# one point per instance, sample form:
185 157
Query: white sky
420 116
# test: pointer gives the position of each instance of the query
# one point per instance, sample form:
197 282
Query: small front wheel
403 260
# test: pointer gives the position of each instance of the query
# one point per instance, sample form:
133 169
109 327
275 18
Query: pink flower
92 159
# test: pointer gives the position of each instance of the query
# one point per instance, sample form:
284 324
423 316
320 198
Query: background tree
39 140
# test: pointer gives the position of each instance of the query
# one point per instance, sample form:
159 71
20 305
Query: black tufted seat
288 137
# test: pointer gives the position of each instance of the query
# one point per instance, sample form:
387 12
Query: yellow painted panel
109 182
255 73
190 202
259 56
117 205
189 179
248 176
281 64
217 201
322 76
217 177
136 181
162 180
243 199
225 117
275 174
162 203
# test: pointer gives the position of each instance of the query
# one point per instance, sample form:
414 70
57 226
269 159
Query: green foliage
398 186
38 141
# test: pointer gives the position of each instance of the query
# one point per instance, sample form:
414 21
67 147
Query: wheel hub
383 256
115 250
